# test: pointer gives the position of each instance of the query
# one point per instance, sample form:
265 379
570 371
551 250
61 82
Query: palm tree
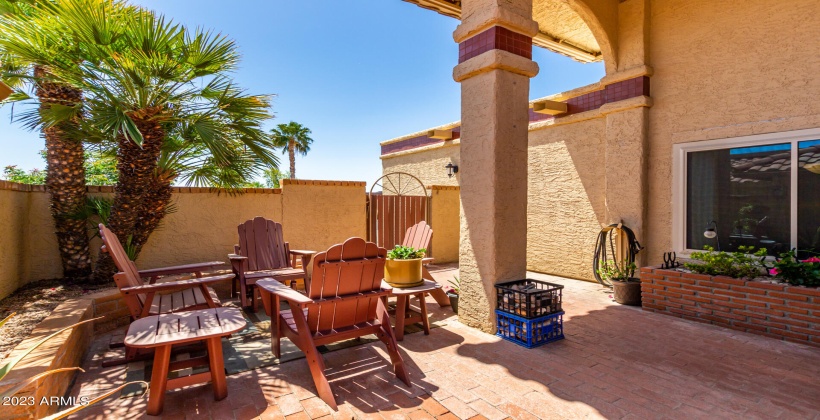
292 138
160 80
32 41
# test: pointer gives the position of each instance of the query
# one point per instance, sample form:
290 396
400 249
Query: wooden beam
549 107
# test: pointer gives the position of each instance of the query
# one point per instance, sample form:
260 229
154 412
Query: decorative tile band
416 142
495 38
626 89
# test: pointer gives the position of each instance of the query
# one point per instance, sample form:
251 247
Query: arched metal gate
396 201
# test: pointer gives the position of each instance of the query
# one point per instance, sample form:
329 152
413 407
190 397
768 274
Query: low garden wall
776 310
314 214
63 351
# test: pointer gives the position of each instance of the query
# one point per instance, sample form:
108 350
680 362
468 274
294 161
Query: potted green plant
626 288
403 267
453 292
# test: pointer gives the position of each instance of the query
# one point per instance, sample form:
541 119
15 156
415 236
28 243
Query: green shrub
405 253
744 263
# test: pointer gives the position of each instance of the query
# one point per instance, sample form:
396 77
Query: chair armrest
427 260
272 286
236 257
174 285
302 252
180 269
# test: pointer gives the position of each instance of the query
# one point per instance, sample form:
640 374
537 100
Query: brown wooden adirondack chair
143 299
262 252
344 301
158 298
419 236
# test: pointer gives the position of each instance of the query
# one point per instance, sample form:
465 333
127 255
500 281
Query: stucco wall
427 164
444 219
318 214
566 194
315 215
566 204
725 69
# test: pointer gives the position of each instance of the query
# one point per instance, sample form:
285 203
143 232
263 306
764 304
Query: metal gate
396 202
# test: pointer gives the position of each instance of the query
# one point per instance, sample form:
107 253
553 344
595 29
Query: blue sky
355 72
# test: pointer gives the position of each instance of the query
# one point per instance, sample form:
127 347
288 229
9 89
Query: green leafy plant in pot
403 267
625 288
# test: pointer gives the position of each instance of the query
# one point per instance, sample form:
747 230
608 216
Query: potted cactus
625 288
403 267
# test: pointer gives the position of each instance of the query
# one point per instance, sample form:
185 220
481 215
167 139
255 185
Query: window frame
680 152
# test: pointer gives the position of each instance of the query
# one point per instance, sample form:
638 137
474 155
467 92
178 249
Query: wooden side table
161 332
404 314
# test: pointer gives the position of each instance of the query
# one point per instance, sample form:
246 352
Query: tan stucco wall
566 194
13 208
318 214
719 73
566 204
315 215
426 163
204 227
444 219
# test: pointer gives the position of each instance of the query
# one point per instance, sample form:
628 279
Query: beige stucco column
494 71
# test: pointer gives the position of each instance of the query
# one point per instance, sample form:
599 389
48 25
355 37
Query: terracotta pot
627 292
453 302
403 273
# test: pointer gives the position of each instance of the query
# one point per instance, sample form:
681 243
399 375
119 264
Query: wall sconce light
451 169
711 232
5 91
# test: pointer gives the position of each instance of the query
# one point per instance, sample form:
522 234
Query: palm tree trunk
136 166
65 180
292 156
155 205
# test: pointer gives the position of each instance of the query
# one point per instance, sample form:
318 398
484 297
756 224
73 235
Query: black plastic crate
529 332
529 298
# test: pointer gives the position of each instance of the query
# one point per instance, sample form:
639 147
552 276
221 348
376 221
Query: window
749 192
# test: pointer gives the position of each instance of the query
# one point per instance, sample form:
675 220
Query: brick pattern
619 91
416 142
616 362
790 313
495 38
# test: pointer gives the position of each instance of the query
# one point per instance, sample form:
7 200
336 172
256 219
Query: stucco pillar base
494 120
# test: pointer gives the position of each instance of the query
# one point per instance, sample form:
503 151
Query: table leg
159 380
401 308
217 365
423 306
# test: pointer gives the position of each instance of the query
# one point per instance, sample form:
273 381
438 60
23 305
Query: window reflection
808 197
746 191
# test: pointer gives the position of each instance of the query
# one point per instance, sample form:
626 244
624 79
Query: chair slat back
418 236
262 241
345 270
129 275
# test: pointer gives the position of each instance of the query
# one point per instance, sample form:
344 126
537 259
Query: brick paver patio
616 362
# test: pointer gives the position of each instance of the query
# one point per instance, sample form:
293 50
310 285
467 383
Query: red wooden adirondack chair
158 298
344 301
419 236
262 252
143 299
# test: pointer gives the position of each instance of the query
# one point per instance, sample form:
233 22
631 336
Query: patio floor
616 362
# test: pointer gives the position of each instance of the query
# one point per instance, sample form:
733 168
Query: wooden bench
162 332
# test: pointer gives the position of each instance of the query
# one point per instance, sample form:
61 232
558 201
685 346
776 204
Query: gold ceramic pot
403 273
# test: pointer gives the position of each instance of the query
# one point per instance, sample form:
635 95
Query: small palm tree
292 138
157 81
33 40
